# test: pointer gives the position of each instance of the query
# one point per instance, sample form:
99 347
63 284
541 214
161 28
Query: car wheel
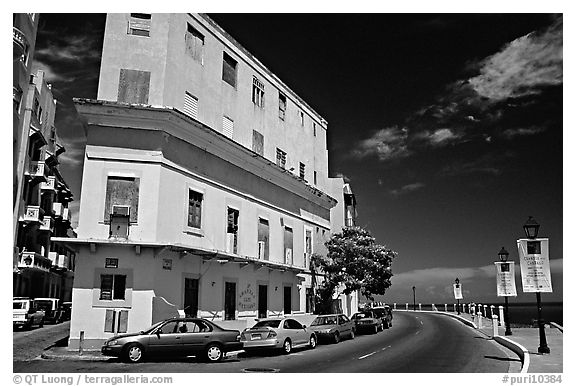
312 341
213 353
336 337
352 335
287 346
133 353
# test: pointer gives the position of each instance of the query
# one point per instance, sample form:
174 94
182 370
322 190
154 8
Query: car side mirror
303 326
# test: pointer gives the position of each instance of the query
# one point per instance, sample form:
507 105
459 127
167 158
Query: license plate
256 336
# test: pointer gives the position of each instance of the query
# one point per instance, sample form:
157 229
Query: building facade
205 186
41 268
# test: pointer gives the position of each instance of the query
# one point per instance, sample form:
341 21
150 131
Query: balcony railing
47 224
66 214
34 260
50 183
20 43
37 170
57 208
31 214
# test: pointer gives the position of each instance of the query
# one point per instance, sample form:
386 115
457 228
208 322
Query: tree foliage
354 262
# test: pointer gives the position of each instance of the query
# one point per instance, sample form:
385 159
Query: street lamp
503 256
414 294
457 281
531 228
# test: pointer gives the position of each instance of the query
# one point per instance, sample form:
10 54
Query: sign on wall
457 291
534 265
111 262
505 280
167 264
247 299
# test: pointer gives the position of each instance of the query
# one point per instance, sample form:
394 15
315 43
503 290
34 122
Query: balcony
20 43
37 171
47 224
66 214
34 260
50 184
31 214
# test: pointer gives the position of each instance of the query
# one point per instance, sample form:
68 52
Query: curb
88 356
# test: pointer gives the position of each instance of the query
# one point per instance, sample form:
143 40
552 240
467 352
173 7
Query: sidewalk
529 338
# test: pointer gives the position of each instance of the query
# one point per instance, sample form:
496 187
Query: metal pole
543 348
414 293
508 331
458 301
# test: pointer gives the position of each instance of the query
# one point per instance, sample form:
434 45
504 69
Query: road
29 344
417 343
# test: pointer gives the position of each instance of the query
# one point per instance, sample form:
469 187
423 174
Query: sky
449 127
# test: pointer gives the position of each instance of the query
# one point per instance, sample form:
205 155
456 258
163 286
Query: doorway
262 301
229 301
191 297
287 300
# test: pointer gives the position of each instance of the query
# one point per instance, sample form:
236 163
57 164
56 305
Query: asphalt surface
28 344
417 343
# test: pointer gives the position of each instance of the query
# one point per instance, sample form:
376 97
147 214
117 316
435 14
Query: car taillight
272 334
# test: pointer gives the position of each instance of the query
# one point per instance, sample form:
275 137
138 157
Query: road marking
385 348
367 355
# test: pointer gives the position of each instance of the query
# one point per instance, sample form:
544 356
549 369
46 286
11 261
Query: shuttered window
257 142
191 105
302 171
229 70
227 127
122 191
122 321
109 320
194 41
281 106
116 321
257 92
194 209
288 245
263 237
139 24
281 158
133 86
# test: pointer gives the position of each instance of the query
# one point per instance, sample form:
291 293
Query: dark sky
449 127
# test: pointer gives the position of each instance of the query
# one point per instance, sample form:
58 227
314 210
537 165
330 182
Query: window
257 92
110 324
227 127
229 70
301 118
263 237
194 209
302 171
281 158
307 246
112 287
315 178
139 24
190 105
314 127
281 106
232 231
122 191
194 44
257 142
133 86
288 245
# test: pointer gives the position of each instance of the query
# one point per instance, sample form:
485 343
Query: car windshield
324 320
19 305
43 304
362 315
267 323
149 330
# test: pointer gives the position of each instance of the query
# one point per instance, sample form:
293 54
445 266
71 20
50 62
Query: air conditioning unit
230 241
288 257
121 210
261 249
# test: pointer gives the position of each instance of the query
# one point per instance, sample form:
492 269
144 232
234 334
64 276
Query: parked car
64 312
367 321
277 333
50 307
175 337
333 327
384 313
25 315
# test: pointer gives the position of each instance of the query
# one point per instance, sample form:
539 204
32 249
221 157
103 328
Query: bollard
492 311
433 307
420 306
454 306
485 313
480 309
494 325
81 344
394 305
501 312
406 306
479 320
445 307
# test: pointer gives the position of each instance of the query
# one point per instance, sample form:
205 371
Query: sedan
279 333
175 337
367 321
333 327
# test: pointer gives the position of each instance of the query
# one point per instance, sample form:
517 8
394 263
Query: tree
354 262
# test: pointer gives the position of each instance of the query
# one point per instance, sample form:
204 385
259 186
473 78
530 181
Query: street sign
534 265
457 291
505 280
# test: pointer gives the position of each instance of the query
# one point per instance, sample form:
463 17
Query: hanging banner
505 280
534 265
457 291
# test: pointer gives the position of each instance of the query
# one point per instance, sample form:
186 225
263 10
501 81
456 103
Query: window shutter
228 127
122 191
109 321
257 142
106 287
191 105
122 321
133 86
119 287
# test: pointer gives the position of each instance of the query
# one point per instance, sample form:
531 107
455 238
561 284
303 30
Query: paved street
416 343
30 344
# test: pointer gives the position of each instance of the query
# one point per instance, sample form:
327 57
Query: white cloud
522 131
407 188
388 143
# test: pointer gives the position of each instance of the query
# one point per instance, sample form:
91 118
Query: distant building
205 186
41 269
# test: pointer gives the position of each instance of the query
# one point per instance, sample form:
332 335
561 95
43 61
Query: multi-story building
205 185
41 268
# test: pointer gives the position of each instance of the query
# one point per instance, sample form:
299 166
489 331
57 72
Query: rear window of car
43 304
267 323
362 315
324 320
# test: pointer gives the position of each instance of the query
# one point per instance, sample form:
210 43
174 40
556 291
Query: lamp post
457 281
503 256
414 294
531 228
